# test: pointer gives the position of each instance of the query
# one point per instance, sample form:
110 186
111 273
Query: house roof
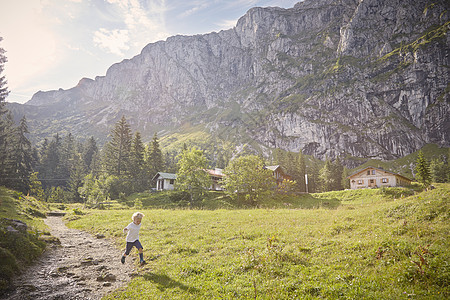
272 168
216 172
381 170
165 176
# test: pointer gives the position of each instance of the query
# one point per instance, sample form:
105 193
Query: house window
360 181
373 172
384 180
172 181
368 172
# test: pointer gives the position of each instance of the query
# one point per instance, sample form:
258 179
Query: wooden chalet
371 177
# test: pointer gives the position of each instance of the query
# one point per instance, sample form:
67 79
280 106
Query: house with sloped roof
371 177
216 176
164 181
278 173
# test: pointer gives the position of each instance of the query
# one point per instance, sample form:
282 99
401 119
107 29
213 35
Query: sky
52 44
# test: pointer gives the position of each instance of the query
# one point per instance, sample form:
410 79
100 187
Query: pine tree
77 174
170 161
155 161
3 125
337 173
423 174
3 88
7 137
35 188
313 177
326 177
21 157
50 163
118 150
68 159
137 162
90 149
344 181
301 171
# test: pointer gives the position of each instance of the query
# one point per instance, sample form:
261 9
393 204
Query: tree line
70 170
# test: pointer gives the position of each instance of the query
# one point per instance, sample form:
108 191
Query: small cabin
371 177
216 176
279 174
165 181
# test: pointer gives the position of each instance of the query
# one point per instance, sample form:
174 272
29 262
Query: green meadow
369 244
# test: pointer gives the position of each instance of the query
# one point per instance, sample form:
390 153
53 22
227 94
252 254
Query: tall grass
382 248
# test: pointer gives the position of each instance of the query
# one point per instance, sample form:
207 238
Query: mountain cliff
361 78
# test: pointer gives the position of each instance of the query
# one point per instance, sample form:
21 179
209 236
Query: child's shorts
130 246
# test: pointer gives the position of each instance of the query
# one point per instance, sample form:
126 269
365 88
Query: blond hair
137 215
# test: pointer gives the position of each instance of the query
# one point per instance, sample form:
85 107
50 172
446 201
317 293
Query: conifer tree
90 149
77 174
325 176
3 88
68 159
35 188
301 171
345 182
313 177
337 173
21 158
137 162
155 161
170 161
423 174
50 163
3 125
7 137
118 150
438 170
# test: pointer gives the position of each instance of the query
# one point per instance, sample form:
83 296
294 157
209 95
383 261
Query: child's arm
125 229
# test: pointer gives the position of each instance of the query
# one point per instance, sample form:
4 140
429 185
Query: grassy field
371 244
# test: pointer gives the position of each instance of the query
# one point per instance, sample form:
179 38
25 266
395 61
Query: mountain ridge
331 78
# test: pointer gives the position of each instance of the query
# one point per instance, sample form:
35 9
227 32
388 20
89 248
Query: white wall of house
163 184
372 178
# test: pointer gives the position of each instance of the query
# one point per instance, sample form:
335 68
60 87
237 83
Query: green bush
8 267
17 248
78 211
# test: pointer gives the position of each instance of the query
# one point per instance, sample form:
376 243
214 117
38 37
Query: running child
132 239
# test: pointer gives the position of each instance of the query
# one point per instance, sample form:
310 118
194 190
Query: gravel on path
83 266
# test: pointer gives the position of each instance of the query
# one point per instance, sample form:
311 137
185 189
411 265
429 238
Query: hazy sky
52 44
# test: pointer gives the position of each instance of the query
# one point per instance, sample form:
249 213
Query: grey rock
365 78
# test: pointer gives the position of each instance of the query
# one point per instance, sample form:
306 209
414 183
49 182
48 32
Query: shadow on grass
164 282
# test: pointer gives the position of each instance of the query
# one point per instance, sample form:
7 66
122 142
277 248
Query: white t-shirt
133 232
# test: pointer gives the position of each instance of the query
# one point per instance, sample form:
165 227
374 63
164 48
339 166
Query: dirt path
83 267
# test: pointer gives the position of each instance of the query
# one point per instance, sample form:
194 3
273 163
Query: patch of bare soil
81 267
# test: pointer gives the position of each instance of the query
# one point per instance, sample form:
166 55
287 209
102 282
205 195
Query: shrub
16 248
8 267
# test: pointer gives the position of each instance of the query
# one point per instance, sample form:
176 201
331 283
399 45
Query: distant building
216 176
165 181
371 177
279 174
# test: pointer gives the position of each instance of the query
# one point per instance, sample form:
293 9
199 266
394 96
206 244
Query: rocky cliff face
365 78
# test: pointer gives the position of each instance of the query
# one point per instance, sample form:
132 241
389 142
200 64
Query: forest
67 169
